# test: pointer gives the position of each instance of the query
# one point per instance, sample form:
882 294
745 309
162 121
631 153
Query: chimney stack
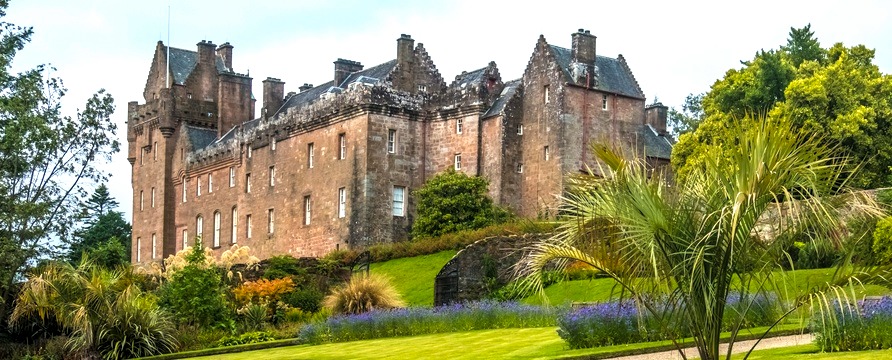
206 53
273 96
584 47
405 63
305 87
343 69
225 52
656 115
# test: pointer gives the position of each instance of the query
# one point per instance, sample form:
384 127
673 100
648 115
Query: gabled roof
200 137
654 144
378 72
612 74
498 106
469 78
182 63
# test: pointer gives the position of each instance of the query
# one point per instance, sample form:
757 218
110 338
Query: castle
334 165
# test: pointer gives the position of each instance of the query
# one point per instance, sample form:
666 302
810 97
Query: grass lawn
535 343
414 277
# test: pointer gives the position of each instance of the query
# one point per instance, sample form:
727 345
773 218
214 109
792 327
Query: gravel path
739 347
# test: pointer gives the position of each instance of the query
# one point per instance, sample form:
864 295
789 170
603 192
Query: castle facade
333 166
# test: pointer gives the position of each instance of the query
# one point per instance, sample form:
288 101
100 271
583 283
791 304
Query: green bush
882 241
246 338
282 266
453 201
307 299
195 294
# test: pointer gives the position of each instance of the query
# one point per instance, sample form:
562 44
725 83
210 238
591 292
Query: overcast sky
673 47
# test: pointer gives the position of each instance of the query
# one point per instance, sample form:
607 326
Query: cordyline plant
694 242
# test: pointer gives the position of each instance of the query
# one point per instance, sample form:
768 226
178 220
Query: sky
674 48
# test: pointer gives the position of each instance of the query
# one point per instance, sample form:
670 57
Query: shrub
453 201
246 338
865 325
423 320
882 241
306 299
199 337
363 294
104 311
282 266
263 291
195 294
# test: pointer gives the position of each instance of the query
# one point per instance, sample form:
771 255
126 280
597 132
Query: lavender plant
863 325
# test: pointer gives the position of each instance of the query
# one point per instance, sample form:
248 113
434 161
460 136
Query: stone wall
480 265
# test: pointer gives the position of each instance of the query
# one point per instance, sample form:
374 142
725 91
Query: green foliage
246 338
686 239
47 158
103 227
836 94
363 294
195 294
104 310
281 266
453 201
882 241
307 299
689 118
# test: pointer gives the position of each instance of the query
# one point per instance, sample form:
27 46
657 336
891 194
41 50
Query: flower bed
421 321
865 325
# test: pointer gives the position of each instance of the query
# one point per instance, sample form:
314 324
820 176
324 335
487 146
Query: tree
194 294
681 249
47 157
689 118
453 201
104 310
837 94
105 236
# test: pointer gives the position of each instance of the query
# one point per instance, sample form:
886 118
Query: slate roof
379 72
613 75
199 137
468 78
182 62
653 143
498 106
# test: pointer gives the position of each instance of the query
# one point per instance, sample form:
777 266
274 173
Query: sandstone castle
333 165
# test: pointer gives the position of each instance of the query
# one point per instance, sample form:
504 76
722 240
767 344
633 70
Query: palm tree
694 242
104 310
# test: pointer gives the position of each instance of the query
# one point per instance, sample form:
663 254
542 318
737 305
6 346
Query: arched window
199 227
234 225
216 228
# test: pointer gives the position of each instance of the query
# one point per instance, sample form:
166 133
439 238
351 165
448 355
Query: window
155 151
272 176
391 141
310 155
545 90
399 208
248 182
342 202
342 145
271 221
154 246
189 95
142 154
140 200
138 249
198 186
307 210
272 144
520 168
153 197
604 102
422 88
216 229
234 225
231 176
459 124
185 238
248 226
250 151
199 227
210 183
520 129
457 163
184 188
546 153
